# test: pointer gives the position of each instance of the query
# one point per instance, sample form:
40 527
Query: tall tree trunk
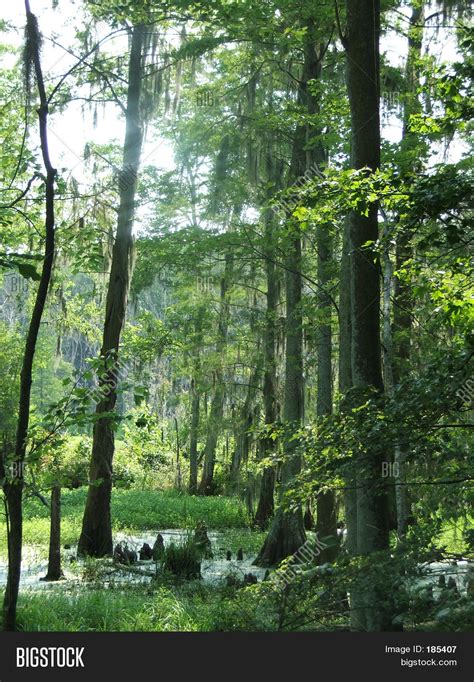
362 51
387 353
206 486
54 559
345 378
286 532
244 424
326 510
13 482
403 302
246 418
193 438
265 507
358 620
326 518
96 535
178 456
195 407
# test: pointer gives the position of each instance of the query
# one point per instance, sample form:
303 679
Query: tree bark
265 507
14 481
403 301
362 51
96 535
244 424
195 407
54 560
358 620
206 486
326 518
178 456
345 379
195 404
193 438
287 532
326 501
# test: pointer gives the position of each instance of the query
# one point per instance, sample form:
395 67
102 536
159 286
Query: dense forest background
236 315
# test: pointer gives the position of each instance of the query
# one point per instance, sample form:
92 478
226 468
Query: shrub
183 560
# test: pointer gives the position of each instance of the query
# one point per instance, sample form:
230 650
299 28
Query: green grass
132 511
103 610
250 541
163 608
168 509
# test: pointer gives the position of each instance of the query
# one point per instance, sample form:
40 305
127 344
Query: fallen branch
134 569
